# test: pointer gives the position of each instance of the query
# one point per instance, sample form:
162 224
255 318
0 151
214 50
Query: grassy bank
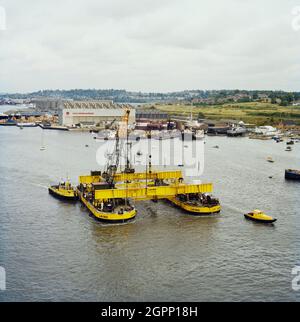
253 112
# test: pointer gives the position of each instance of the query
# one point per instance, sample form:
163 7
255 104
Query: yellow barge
117 215
196 209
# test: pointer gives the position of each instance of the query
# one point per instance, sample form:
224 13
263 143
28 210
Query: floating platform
195 209
112 217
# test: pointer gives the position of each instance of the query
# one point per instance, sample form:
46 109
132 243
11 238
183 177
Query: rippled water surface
53 251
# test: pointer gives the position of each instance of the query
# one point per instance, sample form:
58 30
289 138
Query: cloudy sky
150 45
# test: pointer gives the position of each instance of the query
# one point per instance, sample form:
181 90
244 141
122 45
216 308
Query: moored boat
26 125
9 122
259 216
64 191
291 174
236 131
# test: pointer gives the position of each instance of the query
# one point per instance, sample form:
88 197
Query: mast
113 163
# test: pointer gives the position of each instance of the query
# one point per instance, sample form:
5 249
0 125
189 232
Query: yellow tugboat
64 191
197 203
259 216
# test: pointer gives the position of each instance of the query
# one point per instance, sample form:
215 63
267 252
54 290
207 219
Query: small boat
259 216
288 148
291 174
216 147
236 131
269 159
9 122
21 125
291 142
106 135
63 190
42 148
139 153
198 135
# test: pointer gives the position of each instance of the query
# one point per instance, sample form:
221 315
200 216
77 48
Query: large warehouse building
89 113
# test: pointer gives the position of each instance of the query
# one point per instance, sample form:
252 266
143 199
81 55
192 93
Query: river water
53 251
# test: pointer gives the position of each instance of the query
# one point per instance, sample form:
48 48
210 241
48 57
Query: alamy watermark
2 279
296 19
184 154
296 279
2 18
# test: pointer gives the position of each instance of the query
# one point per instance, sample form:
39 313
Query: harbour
55 250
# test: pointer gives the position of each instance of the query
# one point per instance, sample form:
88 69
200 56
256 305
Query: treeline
121 95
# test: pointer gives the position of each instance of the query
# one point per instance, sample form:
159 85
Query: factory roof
93 105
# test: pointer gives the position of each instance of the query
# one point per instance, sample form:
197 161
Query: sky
149 45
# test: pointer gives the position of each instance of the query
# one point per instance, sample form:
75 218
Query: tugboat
64 191
197 203
259 216
292 174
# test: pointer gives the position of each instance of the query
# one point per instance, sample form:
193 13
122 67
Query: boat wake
239 210
38 185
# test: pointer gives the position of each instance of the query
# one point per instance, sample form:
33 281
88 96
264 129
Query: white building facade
93 113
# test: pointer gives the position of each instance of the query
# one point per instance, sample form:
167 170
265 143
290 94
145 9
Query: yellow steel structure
88 179
150 176
154 192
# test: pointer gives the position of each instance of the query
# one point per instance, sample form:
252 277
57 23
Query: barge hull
107 217
62 197
194 209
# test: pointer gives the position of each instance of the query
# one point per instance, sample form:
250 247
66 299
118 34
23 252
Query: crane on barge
106 195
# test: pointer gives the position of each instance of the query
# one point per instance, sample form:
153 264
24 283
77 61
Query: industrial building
92 113
151 115
48 104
